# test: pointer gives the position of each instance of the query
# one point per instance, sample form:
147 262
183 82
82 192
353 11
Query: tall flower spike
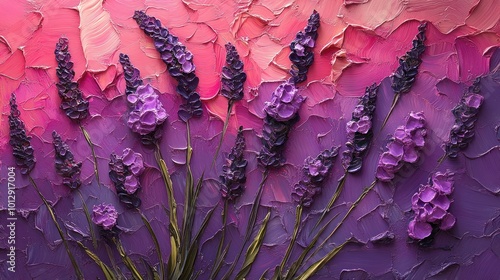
233 76
65 163
22 150
233 176
403 147
465 113
72 102
359 130
316 170
132 75
302 55
124 172
404 77
281 115
179 63
431 205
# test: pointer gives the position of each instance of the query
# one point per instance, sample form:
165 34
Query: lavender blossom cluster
465 114
179 63
65 163
403 148
72 102
404 77
21 146
233 76
431 204
233 178
105 216
315 171
359 130
124 173
302 55
132 75
281 115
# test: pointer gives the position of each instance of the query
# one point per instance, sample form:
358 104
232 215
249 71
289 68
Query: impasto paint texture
121 151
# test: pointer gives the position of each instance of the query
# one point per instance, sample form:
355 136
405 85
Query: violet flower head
233 76
65 163
302 55
72 102
233 178
359 130
465 114
281 115
104 215
147 114
21 146
132 75
431 204
179 63
124 173
315 170
404 77
403 148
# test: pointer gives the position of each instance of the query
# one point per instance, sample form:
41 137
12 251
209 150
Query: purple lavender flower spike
21 146
72 101
315 170
465 113
431 205
302 55
233 178
233 76
404 77
132 75
179 63
65 163
104 215
359 130
124 173
147 114
281 115
403 148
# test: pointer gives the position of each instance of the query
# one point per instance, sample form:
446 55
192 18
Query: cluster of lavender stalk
22 150
65 163
124 172
233 176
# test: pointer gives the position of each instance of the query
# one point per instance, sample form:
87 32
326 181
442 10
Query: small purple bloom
233 76
233 178
285 102
19 141
65 163
104 215
124 172
147 113
301 54
132 75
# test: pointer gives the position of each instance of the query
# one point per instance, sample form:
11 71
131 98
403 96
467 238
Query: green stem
224 130
126 259
220 257
105 269
89 219
189 203
393 105
78 272
92 149
340 187
155 241
298 215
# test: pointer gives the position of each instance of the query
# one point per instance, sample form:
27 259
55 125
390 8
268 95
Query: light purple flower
148 112
104 215
285 102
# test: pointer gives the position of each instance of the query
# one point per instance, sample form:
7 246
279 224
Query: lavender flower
233 76
403 147
431 204
233 176
132 75
302 55
404 77
147 114
179 63
359 130
22 150
104 215
65 163
281 115
72 101
124 173
315 170
465 113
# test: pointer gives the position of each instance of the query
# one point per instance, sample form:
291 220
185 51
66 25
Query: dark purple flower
404 77
465 113
233 178
233 76
72 101
179 63
302 55
431 204
315 170
65 163
359 130
104 215
132 75
21 146
285 102
403 147
124 173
